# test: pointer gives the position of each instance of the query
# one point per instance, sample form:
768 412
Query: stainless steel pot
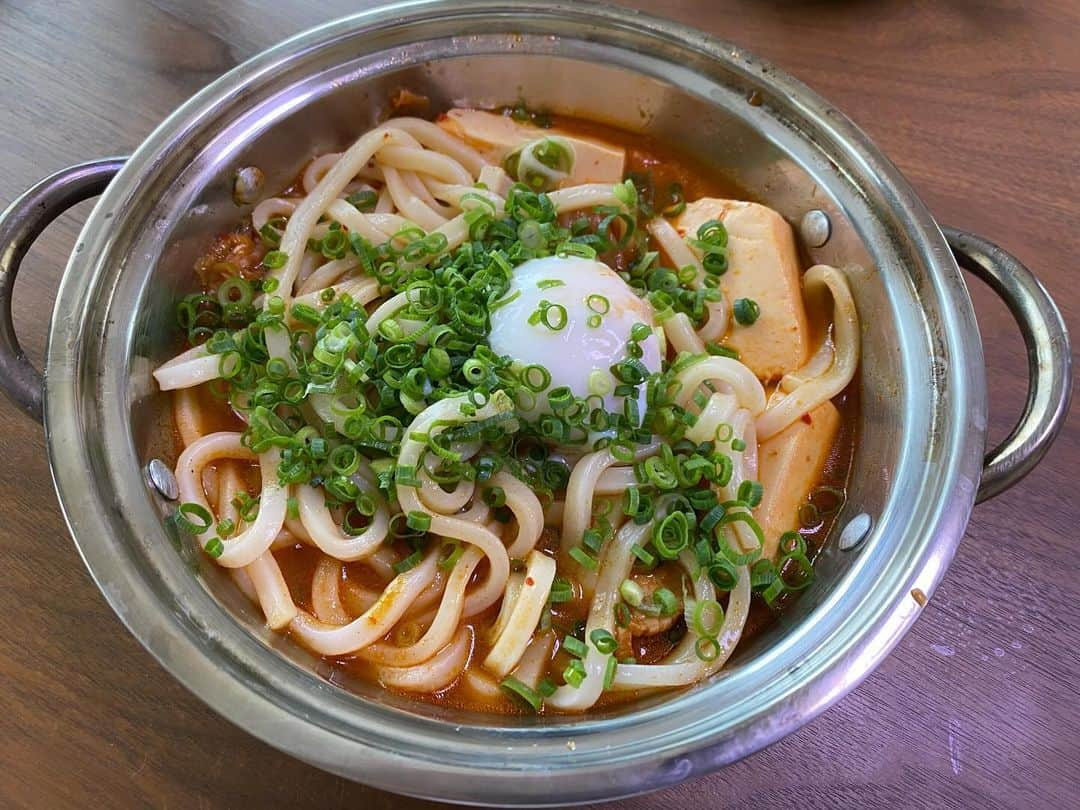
919 465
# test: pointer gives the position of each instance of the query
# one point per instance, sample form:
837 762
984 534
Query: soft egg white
579 355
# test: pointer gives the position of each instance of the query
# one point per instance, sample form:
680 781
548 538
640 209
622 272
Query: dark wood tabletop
979 706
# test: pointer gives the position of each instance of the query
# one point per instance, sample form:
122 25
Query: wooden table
977 102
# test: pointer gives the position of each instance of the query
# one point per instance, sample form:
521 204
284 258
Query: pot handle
20 224
1049 359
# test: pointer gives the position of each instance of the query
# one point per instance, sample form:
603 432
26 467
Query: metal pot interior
308 98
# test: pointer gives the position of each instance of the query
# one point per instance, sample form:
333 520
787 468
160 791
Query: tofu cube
763 265
789 467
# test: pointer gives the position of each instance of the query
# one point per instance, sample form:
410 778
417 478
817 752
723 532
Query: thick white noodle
496 179
264 575
358 222
330 537
376 622
361 289
513 589
685 671
425 161
189 368
818 280
409 204
325 275
436 673
682 255
272 590
615 481
442 628
245 547
535 659
435 137
328 189
524 615
420 189
587 195
385 203
817 365
680 332
577 511
270 208
747 388
527 511
187 415
438 499
614 568
444 412
316 170
326 593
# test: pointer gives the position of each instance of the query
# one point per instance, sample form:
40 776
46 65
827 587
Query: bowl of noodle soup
476 398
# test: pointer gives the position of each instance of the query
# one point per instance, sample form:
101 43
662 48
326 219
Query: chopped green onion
194 518
521 690
609 672
536 378
592 540
214 547
598 303
561 591
574 674
274 260
364 200
707 618
707 648
553 322
450 560
643 555
418 521
640 332
717 350
582 557
631 593
495 497
750 493
408 563
745 310
672 535
603 641
665 599
575 646
406 476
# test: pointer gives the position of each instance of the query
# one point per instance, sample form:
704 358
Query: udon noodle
514 411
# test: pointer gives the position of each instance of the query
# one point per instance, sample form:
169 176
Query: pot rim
239 678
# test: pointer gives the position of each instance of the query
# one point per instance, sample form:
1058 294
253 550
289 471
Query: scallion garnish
745 310
574 674
575 646
522 691
603 641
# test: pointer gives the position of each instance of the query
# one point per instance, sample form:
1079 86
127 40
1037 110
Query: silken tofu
496 136
763 265
789 467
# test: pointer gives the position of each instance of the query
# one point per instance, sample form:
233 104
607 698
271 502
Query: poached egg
600 311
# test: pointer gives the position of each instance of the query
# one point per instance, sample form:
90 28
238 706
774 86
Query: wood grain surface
977 102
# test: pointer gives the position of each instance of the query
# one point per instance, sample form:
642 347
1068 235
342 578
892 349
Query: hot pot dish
457 395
